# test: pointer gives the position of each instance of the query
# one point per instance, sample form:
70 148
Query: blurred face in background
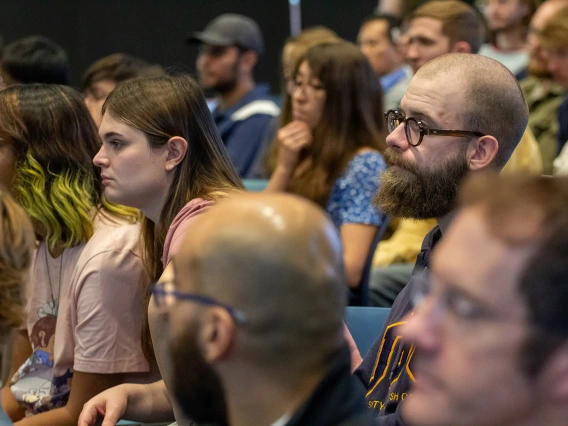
502 15
308 96
557 60
95 97
425 41
218 67
376 45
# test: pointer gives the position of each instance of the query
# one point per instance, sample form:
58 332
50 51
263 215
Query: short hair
394 23
119 67
36 59
554 35
493 103
531 210
17 240
460 21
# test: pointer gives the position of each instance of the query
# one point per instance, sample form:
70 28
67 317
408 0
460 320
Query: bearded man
450 124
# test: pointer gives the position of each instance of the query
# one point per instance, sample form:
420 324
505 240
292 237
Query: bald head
277 258
494 103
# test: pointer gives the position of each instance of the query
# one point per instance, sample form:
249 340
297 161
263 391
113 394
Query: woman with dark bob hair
161 154
329 146
84 311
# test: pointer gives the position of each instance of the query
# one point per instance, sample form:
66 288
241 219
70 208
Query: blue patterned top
351 197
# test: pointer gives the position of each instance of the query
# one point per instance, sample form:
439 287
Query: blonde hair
554 35
16 247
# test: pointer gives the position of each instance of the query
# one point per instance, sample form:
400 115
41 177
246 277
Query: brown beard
420 194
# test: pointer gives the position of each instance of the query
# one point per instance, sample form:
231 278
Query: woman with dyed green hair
84 312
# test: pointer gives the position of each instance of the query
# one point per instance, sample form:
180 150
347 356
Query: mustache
394 158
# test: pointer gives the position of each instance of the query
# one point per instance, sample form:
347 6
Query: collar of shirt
282 420
389 81
260 91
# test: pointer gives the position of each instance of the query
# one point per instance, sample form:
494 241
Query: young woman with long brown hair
329 146
162 154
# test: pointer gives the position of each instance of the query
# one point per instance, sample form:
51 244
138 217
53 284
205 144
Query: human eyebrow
109 135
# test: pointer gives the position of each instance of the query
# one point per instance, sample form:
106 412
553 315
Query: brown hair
530 210
16 246
164 107
554 35
119 67
460 21
352 117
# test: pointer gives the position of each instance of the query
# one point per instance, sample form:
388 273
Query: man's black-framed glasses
415 129
165 295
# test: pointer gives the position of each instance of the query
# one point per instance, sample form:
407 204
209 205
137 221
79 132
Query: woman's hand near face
292 138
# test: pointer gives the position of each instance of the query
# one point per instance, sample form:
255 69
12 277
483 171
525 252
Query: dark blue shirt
242 127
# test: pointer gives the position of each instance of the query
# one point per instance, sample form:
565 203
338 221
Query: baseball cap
231 29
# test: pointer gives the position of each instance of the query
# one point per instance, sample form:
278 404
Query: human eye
463 307
116 144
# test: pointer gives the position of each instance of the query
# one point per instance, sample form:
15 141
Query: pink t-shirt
84 313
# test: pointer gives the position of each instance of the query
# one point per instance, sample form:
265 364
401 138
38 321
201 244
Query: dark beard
197 387
228 85
420 194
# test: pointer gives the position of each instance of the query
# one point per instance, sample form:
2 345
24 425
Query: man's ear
461 47
248 61
217 333
177 149
553 379
481 152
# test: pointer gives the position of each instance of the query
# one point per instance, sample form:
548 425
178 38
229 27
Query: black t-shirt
386 370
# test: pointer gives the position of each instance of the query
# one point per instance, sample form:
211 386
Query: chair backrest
365 325
255 185
360 296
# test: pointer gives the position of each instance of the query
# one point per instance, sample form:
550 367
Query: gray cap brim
211 39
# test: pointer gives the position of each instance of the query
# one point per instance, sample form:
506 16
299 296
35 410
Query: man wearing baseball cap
230 47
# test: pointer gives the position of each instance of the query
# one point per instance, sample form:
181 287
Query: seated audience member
330 151
103 75
230 49
162 154
543 95
489 332
508 22
85 286
294 49
263 345
34 59
16 245
555 43
378 39
436 28
429 152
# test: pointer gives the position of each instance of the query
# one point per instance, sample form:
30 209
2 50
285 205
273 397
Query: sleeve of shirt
358 189
109 301
245 142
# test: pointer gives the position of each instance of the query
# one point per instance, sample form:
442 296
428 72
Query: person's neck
396 66
154 208
511 39
255 398
227 100
444 221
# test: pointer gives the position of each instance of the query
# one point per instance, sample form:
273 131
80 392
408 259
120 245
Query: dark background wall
156 29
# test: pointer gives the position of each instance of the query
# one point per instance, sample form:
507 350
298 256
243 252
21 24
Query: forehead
471 257
438 97
374 29
110 124
429 28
